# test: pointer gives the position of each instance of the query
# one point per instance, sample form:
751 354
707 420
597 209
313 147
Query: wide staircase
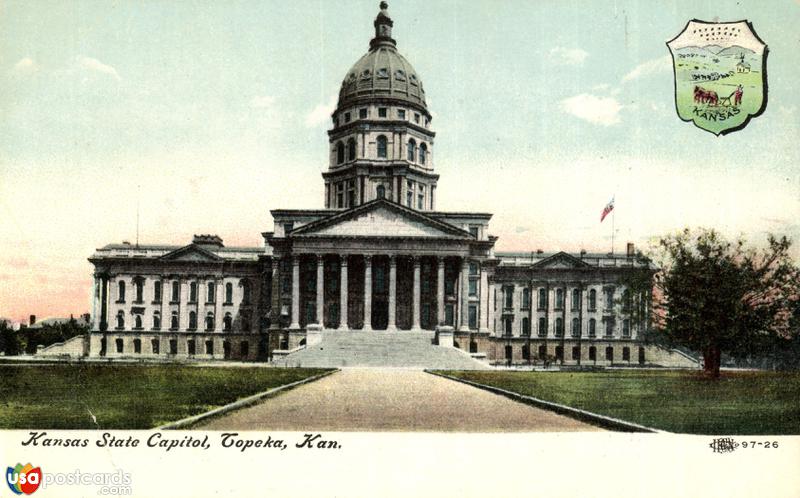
380 349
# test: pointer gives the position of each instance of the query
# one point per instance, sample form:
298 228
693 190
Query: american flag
609 207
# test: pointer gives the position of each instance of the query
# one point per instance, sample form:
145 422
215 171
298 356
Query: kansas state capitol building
380 266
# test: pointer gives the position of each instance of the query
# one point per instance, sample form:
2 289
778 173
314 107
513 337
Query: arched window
210 321
592 300
229 293
156 320
173 324
542 299
382 153
120 320
210 293
412 150
192 320
193 292
137 322
381 192
176 291
559 327
576 299
542 327
138 284
351 150
526 326
592 327
423 152
121 291
245 292
339 153
227 322
576 327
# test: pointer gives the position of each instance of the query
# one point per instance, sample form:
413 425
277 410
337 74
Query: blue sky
213 113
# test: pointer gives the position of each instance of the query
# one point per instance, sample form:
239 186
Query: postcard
485 248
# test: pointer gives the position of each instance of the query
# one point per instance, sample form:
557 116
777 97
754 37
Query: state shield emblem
720 74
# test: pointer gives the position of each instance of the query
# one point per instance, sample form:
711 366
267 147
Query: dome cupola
382 72
381 143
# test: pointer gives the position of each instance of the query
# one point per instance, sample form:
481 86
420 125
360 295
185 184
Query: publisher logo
23 479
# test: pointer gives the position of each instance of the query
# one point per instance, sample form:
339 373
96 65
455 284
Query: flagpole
613 212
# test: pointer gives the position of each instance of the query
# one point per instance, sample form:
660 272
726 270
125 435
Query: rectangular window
609 328
473 269
416 117
473 317
401 114
362 113
287 227
173 346
381 112
347 117
448 315
378 279
473 230
421 200
509 295
473 287
157 292
351 193
609 292
340 195
410 198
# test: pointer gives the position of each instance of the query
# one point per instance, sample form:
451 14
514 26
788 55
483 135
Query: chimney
539 251
631 250
32 320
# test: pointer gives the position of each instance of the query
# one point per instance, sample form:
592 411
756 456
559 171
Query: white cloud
262 102
568 56
26 66
95 65
597 110
653 66
321 114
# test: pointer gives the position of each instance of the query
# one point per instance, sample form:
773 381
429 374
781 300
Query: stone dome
382 72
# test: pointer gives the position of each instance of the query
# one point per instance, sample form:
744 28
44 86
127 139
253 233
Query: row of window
414 153
191 347
138 288
227 321
383 112
508 299
576 353
558 327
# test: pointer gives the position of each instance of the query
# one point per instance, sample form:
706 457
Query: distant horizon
207 117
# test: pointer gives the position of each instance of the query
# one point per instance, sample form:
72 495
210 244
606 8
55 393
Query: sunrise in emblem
720 74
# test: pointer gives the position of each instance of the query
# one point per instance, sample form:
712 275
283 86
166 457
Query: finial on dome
383 27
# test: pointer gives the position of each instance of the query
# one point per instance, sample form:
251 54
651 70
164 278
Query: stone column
320 289
483 324
392 293
277 299
295 292
415 324
343 295
440 290
464 315
492 303
367 293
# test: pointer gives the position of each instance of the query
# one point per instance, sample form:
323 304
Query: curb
576 413
244 402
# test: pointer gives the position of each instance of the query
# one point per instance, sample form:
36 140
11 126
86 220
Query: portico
406 271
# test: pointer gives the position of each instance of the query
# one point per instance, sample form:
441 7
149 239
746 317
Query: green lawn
676 401
61 396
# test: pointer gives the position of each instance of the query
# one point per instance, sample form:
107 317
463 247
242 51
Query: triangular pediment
192 253
561 261
380 218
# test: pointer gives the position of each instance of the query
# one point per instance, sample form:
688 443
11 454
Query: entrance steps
403 348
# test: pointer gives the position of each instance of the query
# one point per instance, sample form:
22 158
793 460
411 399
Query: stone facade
379 257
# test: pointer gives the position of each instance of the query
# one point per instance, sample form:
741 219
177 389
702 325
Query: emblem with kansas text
720 74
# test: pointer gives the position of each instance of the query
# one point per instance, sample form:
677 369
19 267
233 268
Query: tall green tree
716 296
10 342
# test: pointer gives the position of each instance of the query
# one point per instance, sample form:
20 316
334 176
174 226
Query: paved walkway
393 400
